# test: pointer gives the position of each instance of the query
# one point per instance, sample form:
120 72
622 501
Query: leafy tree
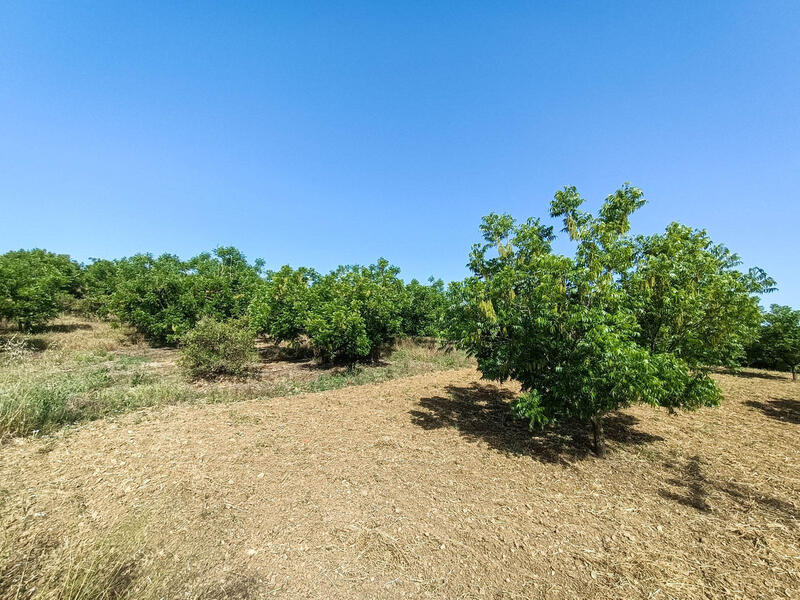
425 308
354 311
279 307
164 297
561 325
151 295
222 282
99 284
690 300
35 285
779 341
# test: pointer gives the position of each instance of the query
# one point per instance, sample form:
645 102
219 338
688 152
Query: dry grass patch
78 370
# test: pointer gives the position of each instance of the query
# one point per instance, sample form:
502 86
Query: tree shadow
695 489
693 483
759 375
781 409
284 353
63 327
32 344
481 412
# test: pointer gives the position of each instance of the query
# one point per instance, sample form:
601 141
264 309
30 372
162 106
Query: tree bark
599 436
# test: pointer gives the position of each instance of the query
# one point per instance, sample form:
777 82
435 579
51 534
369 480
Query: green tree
151 295
164 297
222 283
354 311
279 307
561 325
779 341
690 299
99 282
35 285
425 308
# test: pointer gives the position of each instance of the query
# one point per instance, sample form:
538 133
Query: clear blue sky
329 133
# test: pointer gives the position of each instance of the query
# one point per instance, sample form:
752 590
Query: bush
214 348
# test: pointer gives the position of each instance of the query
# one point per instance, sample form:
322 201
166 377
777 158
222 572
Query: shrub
214 348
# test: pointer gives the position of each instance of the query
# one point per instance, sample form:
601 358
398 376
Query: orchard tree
164 297
222 283
780 337
152 295
690 299
279 307
354 311
425 308
99 282
35 285
561 326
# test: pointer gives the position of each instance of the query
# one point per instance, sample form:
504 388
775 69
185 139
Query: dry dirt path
419 488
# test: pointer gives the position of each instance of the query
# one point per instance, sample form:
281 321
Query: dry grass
419 487
79 370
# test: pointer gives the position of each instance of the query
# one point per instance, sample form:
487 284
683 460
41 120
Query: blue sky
330 133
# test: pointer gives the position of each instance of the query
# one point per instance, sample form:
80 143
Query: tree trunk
599 436
794 372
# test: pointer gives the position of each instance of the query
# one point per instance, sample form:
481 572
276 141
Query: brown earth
418 488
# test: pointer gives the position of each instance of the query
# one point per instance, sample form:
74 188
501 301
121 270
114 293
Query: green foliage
35 285
690 300
99 284
425 308
164 297
564 327
280 306
354 311
215 348
778 343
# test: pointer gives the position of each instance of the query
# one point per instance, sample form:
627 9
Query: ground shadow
782 409
63 327
284 353
695 490
482 412
32 344
774 376
691 483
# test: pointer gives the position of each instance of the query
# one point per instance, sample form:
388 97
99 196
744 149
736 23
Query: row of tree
624 319
346 315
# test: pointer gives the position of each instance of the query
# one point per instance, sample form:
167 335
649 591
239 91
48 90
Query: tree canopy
579 332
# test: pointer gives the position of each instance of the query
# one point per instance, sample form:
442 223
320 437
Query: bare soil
421 487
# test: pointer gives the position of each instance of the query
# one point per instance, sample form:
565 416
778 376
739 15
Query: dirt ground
413 488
